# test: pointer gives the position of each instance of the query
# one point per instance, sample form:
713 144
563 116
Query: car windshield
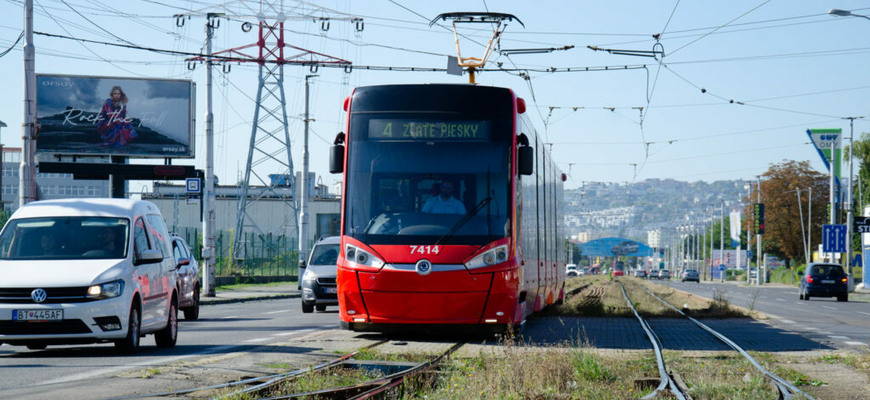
324 254
66 238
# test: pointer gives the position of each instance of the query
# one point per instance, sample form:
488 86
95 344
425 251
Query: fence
262 255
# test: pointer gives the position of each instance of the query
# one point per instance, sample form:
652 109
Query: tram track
269 386
671 384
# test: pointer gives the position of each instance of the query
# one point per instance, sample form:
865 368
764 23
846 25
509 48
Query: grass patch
240 286
601 296
374 355
722 376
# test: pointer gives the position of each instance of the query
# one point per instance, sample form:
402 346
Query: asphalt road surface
91 371
842 325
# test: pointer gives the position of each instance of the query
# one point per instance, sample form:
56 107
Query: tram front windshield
432 180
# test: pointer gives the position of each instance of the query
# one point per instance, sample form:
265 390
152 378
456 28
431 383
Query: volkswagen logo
38 295
424 267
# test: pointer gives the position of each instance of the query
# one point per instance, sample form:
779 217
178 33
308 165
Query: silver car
188 278
690 275
318 281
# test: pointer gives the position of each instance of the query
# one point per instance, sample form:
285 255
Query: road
256 338
840 325
225 334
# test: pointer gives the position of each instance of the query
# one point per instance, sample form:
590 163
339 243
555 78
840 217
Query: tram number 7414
429 249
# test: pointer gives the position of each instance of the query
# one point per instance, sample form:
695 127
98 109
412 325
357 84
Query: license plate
37 315
827 282
331 290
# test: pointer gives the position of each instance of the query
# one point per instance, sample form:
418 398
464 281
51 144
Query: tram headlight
361 257
490 257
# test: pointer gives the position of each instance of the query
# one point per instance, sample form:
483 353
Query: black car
824 280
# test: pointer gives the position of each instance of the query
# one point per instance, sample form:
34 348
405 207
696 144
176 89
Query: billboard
730 259
92 115
827 142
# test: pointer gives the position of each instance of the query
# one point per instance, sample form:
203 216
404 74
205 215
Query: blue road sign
721 267
192 185
834 238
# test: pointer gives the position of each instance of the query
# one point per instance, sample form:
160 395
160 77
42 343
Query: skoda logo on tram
38 295
424 267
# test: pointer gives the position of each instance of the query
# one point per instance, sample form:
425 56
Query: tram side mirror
336 154
526 160
336 159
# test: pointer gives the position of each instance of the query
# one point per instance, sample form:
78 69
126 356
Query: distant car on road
663 274
571 270
188 278
823 280
690 275
639 273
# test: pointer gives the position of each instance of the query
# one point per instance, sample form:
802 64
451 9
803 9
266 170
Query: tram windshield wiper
465 219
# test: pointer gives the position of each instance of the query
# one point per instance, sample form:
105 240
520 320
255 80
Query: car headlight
106 290
490 257
309 275
361 257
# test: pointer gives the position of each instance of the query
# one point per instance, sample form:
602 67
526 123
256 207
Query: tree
783 236
861 151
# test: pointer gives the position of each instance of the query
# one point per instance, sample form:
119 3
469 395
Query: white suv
87 271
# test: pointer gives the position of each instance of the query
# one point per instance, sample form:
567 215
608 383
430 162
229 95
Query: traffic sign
721 267
193 185
861 225
834 238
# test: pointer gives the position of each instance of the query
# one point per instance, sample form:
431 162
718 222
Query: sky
732 90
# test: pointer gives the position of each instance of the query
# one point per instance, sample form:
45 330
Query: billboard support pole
118 182
27 173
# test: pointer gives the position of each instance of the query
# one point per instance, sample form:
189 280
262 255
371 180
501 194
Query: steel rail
786 389
369 389
269 379
666 382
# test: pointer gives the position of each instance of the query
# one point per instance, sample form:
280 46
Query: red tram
451 209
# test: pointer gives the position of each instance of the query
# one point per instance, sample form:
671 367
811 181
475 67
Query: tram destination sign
429 129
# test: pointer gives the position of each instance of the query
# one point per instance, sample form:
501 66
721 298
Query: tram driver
444 202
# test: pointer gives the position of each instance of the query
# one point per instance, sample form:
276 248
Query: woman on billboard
114 127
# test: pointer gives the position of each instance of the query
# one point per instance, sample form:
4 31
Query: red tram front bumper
441 297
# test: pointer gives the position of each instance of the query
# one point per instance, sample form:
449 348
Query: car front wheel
192 313
307 308
167 336
130 343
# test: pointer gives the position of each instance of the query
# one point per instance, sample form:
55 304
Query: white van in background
78 271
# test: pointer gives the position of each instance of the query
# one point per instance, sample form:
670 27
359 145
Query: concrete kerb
239 299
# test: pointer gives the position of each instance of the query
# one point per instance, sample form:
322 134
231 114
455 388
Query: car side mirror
149 256
182 262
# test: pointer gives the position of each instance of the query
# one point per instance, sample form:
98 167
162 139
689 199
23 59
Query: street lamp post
722 240
846 13
758 241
